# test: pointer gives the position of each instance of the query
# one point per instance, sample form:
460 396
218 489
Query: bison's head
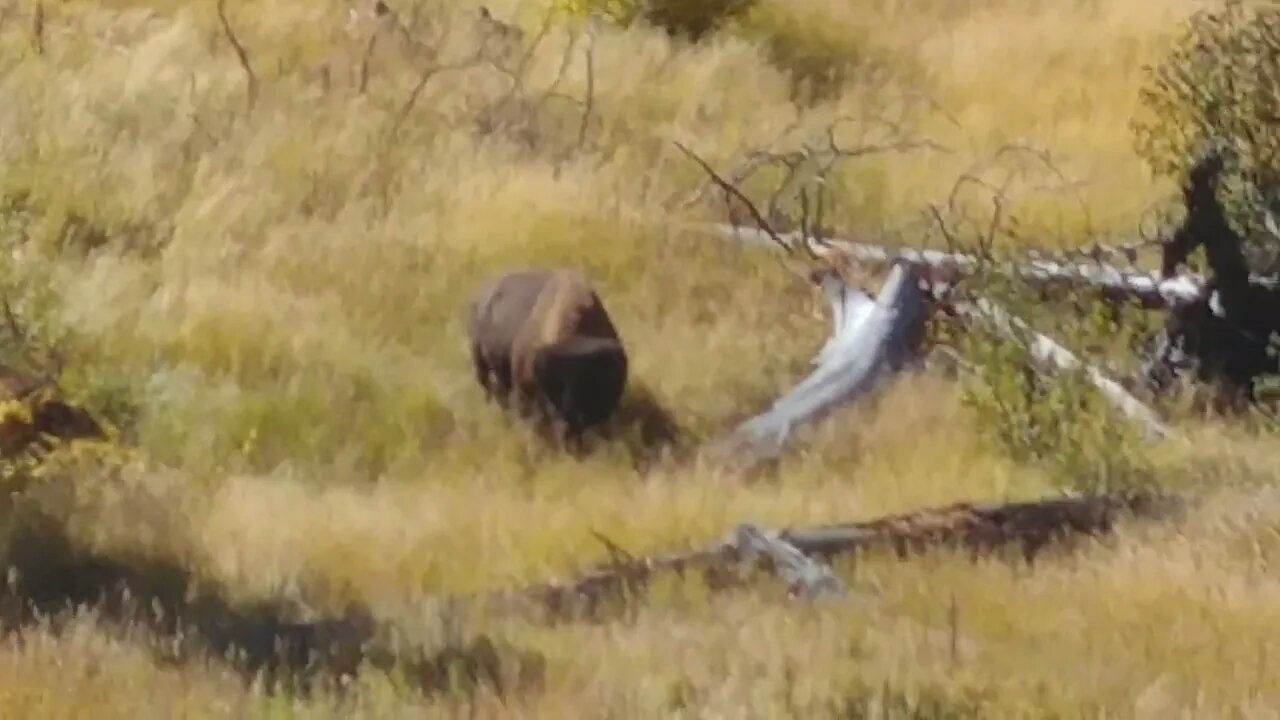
582 378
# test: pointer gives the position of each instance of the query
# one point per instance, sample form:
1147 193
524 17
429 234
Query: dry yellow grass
284 308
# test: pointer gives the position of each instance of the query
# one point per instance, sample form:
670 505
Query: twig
619 555
12 321
428 72
730 189
804 576
589 103
754 161
251 95
49 371
367 59
37 28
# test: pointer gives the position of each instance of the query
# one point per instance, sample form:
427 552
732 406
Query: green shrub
1220 87
1057 422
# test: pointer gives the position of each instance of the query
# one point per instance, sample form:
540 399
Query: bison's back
501 308
567 308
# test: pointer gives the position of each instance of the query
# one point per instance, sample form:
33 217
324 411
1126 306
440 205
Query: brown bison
544 335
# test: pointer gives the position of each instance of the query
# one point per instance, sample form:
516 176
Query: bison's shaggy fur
545 336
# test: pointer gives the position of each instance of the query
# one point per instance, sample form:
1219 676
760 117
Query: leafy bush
1219 87
1058 423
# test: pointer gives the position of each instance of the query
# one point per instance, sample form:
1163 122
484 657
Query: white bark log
870 338
1046 353
1146 288
804 576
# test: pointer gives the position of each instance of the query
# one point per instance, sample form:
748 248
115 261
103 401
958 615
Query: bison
544 336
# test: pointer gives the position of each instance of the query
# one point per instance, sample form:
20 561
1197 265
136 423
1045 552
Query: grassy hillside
268 303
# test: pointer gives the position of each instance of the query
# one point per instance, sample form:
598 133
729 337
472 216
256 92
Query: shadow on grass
50 580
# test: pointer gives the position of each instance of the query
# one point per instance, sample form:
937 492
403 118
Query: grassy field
269 304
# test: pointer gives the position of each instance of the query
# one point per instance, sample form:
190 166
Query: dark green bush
1219 87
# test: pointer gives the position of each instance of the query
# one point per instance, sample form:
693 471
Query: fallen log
1147 289
1048 354
870 340
804 577
1030 526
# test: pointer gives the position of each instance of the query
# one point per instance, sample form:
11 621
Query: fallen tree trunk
1119 285
1048 354
979 528
870 339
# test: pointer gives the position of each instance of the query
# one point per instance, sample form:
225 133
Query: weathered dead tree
1116 284
870 340
868 335
980 529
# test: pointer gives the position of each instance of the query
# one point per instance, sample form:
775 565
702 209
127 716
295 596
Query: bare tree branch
731 190
429 71
37 28
589 102
251 95
365 61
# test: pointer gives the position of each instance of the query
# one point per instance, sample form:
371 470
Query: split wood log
1031 526
1048 354
804 576
1119 285
870 340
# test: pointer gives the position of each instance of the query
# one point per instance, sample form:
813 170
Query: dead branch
37 28
20 385
805 171
803 576
492 28
978 528
1048 354
590 101
366 60
730 190
251 93
753 161
428 72
870 340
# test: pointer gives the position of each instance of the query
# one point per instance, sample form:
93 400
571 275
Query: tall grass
269 302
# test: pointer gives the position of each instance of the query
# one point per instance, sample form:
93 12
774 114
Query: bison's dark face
582 379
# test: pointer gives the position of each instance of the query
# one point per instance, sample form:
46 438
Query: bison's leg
482 370
502 380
